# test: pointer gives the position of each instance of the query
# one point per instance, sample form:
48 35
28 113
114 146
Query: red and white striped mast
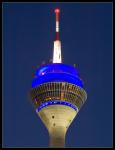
57 43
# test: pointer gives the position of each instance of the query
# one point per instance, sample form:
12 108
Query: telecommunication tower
57 94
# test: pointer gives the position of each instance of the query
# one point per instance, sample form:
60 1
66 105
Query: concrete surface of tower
57 94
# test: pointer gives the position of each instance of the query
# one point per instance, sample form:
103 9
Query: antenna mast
57 42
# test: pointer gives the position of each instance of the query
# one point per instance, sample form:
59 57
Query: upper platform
57 72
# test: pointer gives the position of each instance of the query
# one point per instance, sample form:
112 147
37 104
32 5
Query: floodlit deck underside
57 119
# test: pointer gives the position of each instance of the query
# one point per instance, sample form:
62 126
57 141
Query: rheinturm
57 94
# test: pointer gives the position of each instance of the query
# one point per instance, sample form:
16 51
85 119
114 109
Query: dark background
86 36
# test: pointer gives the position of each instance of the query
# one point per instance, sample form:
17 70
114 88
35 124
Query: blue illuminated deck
57 68
57 72
56 102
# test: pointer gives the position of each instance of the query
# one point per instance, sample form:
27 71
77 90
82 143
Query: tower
57 94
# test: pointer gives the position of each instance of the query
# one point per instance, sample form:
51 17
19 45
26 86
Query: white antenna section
57 52
57 42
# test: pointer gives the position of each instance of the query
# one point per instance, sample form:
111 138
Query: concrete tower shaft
57 119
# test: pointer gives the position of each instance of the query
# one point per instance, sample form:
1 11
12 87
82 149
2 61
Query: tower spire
57 11
57 42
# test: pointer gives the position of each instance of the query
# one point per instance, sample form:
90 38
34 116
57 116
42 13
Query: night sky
86 37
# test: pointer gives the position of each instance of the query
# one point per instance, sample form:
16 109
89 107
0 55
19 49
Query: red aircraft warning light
57 10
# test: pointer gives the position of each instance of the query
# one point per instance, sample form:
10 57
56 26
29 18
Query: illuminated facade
57 95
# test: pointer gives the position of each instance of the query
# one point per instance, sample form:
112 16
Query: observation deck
57 84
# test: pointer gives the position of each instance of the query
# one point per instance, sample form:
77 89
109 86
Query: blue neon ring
56 102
